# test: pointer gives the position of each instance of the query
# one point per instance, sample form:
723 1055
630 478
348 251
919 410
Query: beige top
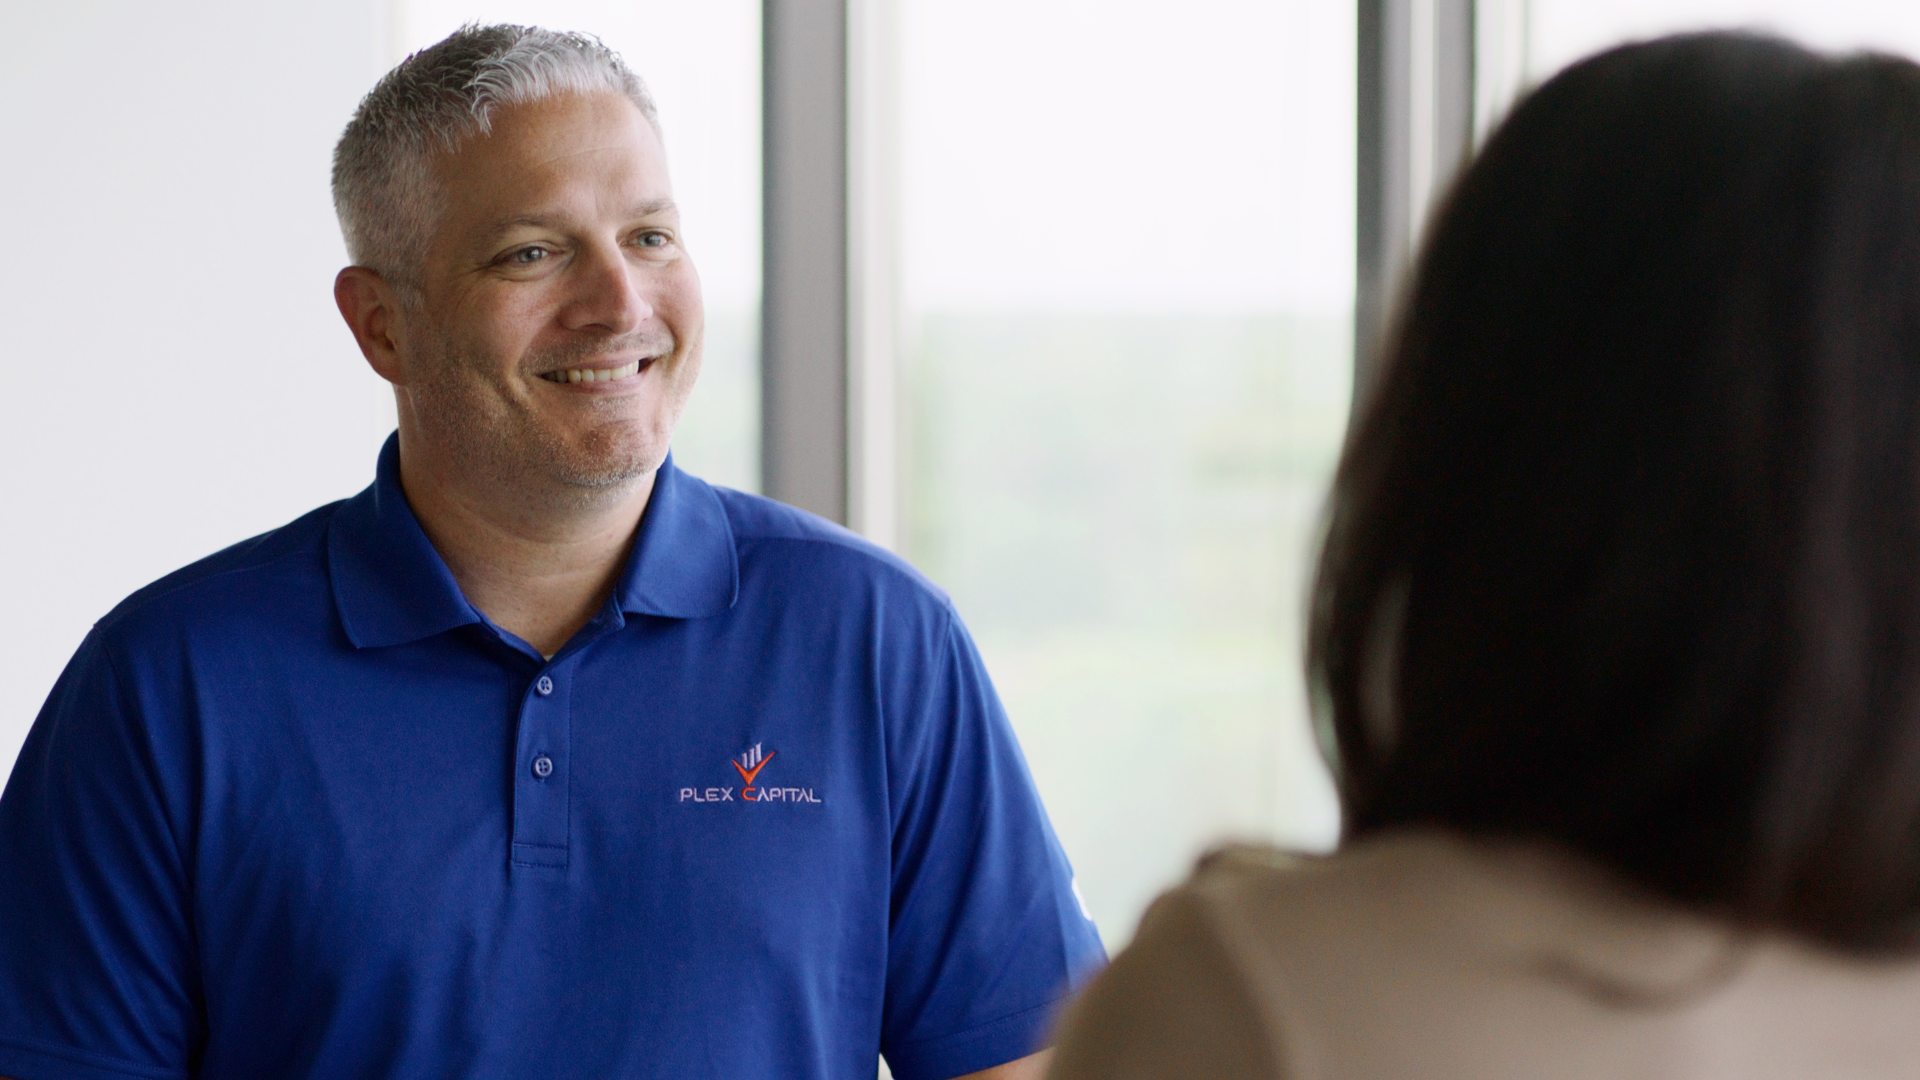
1421 955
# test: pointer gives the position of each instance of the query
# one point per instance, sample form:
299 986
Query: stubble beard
497 439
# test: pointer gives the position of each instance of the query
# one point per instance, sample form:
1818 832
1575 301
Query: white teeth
594 374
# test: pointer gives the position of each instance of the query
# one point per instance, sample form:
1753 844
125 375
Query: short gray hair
383 185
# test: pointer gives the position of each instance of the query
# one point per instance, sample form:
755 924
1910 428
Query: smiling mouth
573 375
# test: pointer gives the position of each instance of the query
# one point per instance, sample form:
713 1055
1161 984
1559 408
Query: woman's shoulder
1174 1003
1435 921
1202 988
1209 984
1445 955
1407 892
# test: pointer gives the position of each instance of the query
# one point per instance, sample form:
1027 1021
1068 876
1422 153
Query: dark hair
1624 551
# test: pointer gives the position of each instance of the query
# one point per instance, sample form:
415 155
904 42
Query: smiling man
539 757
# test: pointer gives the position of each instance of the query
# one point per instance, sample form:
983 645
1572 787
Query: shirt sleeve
987 934
1173 1005
96 939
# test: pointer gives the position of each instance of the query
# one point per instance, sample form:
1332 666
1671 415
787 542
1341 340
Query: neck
539 563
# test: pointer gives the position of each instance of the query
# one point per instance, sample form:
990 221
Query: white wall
176 377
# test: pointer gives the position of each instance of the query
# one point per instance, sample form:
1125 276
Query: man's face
560 324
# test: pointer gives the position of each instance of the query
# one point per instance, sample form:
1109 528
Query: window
1127 255
1558 32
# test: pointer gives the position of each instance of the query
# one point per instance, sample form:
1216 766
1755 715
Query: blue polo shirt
300 810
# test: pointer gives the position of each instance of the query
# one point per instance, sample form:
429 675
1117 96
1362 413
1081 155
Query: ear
372 309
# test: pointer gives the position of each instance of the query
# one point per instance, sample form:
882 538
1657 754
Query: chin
606 463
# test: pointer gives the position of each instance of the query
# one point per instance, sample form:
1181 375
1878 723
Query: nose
608 293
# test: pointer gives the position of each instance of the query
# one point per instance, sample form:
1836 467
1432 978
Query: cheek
680 305
499 335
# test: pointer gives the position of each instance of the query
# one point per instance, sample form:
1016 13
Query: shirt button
544 686
542 766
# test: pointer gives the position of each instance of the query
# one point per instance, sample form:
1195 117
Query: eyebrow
554 221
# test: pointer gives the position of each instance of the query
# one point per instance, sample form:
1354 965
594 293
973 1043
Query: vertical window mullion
804 299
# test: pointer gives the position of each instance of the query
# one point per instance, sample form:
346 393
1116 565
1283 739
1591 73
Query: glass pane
1562 31
702 63
1128 269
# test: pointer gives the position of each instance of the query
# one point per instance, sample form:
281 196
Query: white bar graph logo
752 758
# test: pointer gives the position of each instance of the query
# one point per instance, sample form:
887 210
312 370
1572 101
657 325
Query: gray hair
383 184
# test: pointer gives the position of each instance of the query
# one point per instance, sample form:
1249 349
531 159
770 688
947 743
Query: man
539 757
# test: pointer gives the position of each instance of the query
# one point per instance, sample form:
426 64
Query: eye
526 256
653 239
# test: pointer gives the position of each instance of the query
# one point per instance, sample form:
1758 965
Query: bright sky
1565 30
1129 155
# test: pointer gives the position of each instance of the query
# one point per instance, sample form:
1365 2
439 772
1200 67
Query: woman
1616 632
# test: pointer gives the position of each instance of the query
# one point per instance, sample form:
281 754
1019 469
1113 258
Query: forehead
592 152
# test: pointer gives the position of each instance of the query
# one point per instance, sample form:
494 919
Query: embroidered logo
748 765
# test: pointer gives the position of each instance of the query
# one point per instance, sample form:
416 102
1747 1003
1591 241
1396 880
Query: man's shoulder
259 573
802 543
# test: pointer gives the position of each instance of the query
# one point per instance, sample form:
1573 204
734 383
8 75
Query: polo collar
392 587
684 563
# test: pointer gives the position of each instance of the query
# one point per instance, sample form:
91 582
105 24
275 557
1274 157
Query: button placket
541 775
